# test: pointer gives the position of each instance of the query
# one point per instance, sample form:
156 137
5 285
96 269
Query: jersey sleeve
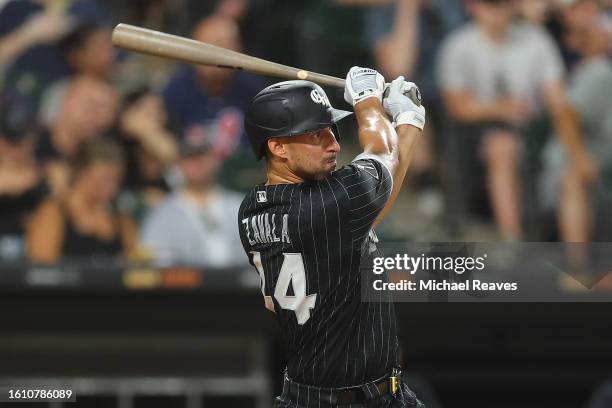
241 219
368 184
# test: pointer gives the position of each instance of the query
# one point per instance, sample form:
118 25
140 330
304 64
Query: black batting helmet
288 109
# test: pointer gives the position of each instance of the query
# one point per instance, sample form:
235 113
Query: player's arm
364 89
409 120
377 136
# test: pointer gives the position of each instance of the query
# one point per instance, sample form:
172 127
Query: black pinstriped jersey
306 241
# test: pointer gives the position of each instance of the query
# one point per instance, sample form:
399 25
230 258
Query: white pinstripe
358 332
369 203
364 312
345 299
376 211
293 340
305 265
314 245
328 271
367 387
356 184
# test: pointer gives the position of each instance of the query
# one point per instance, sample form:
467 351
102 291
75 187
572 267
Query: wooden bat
183 49
195 52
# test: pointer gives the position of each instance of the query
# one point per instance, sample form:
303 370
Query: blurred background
121 270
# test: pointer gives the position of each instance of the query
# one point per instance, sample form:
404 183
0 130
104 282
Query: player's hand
363 83
401 107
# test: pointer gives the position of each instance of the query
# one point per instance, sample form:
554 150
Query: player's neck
279 173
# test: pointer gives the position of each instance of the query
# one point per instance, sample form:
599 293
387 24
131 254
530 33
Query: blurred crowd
110 153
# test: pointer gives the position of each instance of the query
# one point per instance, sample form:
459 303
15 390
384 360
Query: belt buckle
394 380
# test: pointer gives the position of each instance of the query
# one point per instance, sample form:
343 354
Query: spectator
88 50
86 111
19 34
234 9
161 15
134 70
196 225
150 149
405 37
22 188
203 94
83 223
536 12
589 94
498 74
29 30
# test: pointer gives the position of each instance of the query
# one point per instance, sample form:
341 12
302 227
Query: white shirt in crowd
177 232
526 60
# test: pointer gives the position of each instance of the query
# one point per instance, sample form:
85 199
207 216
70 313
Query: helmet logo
319 97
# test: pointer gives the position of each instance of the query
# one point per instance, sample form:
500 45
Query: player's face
312 156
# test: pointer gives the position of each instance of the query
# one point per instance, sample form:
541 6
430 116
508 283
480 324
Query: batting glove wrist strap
410 118
404 109
363 83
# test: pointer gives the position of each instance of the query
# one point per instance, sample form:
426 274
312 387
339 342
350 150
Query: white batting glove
363 83
402 108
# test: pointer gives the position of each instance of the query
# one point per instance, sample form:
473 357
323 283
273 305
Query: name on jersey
263 229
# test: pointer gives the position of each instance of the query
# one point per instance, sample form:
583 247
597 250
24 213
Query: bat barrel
190 51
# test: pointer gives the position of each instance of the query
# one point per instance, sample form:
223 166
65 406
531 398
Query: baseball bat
190 51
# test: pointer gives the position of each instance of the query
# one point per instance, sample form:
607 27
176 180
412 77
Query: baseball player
306 229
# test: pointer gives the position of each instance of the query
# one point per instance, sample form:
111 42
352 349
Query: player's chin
325 170
330 165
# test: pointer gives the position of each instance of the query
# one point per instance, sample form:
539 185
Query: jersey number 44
292 272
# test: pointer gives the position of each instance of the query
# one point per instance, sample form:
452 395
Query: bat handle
412 93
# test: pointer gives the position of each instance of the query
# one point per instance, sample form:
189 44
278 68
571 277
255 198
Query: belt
357 394
389 384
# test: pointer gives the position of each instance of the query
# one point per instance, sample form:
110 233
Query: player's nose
331 143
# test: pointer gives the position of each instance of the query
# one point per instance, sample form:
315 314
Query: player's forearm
376 133
408 137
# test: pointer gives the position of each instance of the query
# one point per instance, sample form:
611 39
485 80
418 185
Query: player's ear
276 147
